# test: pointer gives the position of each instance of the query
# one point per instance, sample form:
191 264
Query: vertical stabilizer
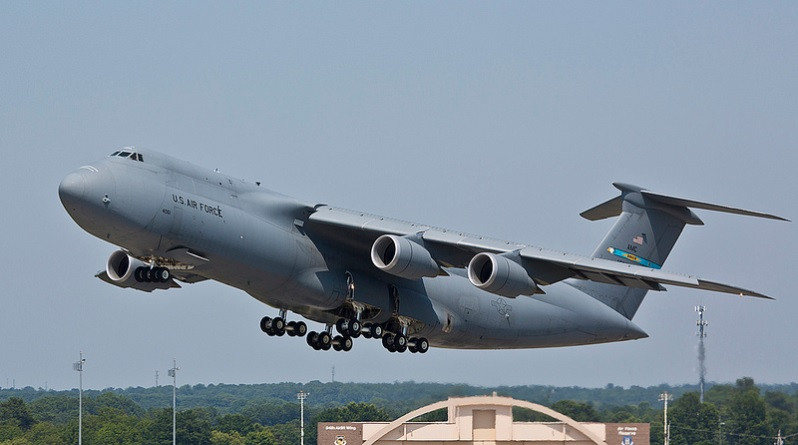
647 228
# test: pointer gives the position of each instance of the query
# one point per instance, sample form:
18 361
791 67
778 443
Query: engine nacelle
120 270
500 275
121 267
403 257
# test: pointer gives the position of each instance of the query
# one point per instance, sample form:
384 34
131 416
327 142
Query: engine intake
121 267
403 257
500 275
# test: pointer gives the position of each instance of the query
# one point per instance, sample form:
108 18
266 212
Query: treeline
739 414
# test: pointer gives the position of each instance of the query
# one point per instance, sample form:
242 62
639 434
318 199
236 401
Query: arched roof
484 401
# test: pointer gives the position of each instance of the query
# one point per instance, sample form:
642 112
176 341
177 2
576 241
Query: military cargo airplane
409 285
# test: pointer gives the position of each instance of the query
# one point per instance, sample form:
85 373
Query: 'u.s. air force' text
188 202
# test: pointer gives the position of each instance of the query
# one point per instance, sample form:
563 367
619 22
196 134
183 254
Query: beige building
483 420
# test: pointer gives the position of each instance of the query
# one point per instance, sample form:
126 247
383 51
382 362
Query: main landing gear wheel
370 330
342 343
152 274
400 343
349 328
296 328
273 326
420 345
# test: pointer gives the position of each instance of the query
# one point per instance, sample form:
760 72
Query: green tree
222 438
746 419
579 411
353 412
263 436
114 426
289 432
9 431
15 411
235 423
44 433
692 422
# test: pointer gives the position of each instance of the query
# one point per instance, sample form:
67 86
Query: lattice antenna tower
702 369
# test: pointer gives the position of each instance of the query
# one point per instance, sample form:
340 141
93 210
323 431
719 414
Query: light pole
78 366
302 395
173 375
665 397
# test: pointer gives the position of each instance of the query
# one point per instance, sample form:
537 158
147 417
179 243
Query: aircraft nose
72 189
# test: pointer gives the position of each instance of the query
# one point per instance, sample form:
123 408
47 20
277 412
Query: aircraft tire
138 274
400 341
346 344
341 326
376 331
265 324
336 343
354 328
366 330
313 340
387 341
278 326
161 275
324 340
422 345
300 329
401 348
290 328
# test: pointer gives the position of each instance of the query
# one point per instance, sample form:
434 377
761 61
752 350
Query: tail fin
646 231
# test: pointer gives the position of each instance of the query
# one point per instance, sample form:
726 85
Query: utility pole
779 439
78 366
665 397
173 375
156 378
302 395
333 374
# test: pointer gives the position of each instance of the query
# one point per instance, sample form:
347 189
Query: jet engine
403 257
500 275
124 270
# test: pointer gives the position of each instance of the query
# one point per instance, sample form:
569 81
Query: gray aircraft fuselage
166 211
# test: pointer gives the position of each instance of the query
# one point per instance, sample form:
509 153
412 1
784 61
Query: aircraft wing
357 232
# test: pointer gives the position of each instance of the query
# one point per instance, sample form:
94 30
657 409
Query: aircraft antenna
702 369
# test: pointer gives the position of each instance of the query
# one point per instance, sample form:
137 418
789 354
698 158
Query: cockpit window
128 154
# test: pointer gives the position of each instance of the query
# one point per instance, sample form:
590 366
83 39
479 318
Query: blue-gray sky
500 118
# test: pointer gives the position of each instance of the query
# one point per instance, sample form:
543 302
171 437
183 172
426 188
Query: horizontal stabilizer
669 200
614 207
605 210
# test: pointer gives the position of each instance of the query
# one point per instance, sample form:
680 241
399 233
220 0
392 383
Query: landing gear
278 327
152 274
420 345
351 328
398 342
372 330
320 340
273 326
